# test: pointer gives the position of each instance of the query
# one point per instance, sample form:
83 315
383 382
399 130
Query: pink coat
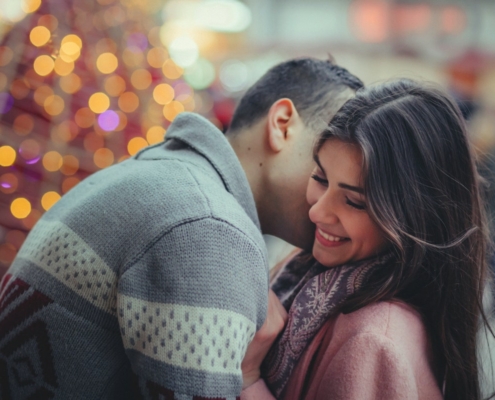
378 352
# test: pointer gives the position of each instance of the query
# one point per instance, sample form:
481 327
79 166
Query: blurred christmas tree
84 84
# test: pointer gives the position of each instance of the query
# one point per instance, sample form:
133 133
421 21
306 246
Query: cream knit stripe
205 339
58 250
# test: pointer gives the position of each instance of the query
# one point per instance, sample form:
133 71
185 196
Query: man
150 277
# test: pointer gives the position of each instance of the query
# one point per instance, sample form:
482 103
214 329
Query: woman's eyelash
355 205
319 179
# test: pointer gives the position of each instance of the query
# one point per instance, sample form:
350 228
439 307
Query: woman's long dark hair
423 190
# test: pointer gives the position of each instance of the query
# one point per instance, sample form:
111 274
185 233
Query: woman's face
344 230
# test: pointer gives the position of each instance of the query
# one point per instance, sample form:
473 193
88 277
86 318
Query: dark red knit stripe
158 392
5 280
26 309
12 291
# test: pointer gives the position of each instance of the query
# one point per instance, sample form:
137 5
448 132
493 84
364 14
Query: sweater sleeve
189 307
367 366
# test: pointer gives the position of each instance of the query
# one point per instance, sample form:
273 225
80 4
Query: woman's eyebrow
317 161
350 187
341 185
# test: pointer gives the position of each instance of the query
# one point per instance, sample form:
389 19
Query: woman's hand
257 350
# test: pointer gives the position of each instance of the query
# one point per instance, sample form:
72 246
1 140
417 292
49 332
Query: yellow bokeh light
43 65
7 156
49 199
103 158
70 165
63 68
20 207
71 83
72 39
99 102
42 93
171 70
156 57
172 109
107 63
128 102
155 134
52 161
39 36
141 79
70 50
114 85
30 6
54 105
136 144
163 93
84 117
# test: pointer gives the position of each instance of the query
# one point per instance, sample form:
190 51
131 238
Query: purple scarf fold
313 295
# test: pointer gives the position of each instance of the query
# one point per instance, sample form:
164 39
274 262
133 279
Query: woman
390 305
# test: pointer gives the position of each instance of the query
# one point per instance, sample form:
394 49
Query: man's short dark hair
314 86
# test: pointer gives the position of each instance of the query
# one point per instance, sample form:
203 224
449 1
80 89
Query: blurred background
84 84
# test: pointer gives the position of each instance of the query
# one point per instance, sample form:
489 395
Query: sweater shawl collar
206 139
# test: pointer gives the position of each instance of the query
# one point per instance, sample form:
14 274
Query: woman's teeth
330 237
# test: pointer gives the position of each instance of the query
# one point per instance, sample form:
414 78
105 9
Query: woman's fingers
275 321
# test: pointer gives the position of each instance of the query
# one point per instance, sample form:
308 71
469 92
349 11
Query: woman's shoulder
394 320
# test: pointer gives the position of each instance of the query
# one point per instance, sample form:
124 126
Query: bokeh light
20 207
7 156
70 84
49 199
23 124
115 85
172 109
43 65
103 157
163 93
39 36
141 79
128 102
8 183
108 120
99 102
136 144
52 161
155 134
107 63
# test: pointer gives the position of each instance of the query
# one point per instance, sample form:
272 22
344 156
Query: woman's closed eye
319 179
358 206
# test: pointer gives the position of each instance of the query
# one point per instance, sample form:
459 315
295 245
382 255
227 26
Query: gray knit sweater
147 280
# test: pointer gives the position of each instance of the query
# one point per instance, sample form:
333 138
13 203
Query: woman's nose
322 211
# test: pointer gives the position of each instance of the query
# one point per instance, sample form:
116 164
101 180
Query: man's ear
281 116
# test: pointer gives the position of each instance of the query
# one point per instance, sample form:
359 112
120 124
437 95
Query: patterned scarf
313 295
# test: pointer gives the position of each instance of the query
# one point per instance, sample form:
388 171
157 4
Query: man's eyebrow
341 185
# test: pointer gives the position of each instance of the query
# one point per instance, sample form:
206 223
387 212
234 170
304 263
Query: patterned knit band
316 297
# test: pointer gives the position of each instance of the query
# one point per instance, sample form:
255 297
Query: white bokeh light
234 75
223 15
184 51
